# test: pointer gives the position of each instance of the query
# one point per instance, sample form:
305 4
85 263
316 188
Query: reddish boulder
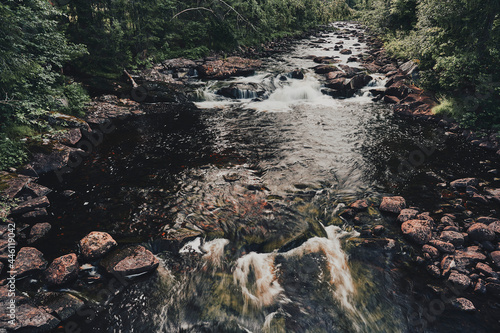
480 232
131 260
393 204
96 244
62 270
418 231
28 261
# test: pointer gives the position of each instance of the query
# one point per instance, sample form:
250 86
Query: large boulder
460 280
28 261
359 81
407 214
131 260
62 270
232 66
30 205
96 244
418 231
393 204
38 231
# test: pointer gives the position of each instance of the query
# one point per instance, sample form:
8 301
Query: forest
48 47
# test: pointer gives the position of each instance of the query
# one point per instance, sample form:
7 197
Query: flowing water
254 185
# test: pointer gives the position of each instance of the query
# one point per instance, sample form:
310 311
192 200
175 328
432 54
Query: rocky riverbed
453 238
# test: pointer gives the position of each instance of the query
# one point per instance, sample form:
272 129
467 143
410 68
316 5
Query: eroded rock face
418 231
393 204
28 261
62 270
96 244
131 260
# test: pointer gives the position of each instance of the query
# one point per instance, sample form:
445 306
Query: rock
447 263
393 204
70 137
53 156
232 66
349 71
30 205
431 250
494 192
62 270
297 74
11 184
487 220
434 271
480 232
495 227
241 91
480 287
38 231
359 81
495 258
28 261
485 269
37 190
178 64
64 305
33 319
359 205
464 182
418 231
323 69
391 99
345 51
96 244
443 247
460 280
468 257
463 304
131 260
325 60
407 214
455 238
35 214
371 67
409 68
378 230
65 120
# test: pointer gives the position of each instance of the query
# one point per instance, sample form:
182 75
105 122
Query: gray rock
464 182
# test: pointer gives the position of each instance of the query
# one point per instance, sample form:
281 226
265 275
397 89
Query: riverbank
468 200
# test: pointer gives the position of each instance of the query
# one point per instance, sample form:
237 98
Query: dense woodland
46 48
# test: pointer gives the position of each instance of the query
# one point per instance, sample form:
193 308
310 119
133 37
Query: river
255 184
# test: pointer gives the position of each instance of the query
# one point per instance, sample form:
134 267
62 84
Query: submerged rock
96 244
131 260
64 305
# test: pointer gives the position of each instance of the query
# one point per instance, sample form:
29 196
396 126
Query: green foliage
12 153
457 43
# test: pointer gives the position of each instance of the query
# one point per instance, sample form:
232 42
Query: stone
29 261
447 263
345 51
378 230
418 231
443 247
323 69
495 227
455 238
232 66
11 183
130 260
495 258
480 287
38 231
407 214
486 220
485 269
464 182
96 244
493 289
393 204
431 250
70 137
29 205
33 319
463 304
359 81
468 257
62 270
480 232
434 271
359 205
64 305
37 190
460 280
